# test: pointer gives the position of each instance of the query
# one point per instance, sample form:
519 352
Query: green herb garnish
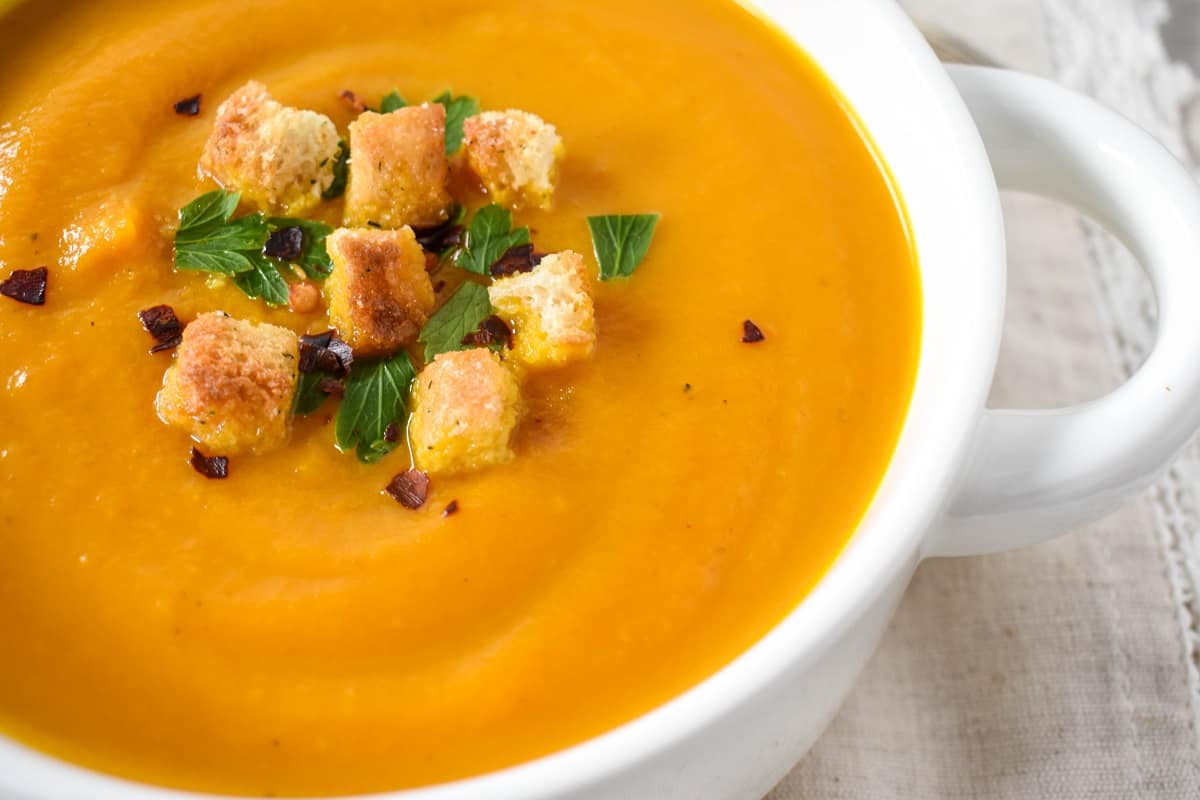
341 171
210 240
314 258
309 395
392 101
621 242
263 280
376 397
461 314
457 111
489 236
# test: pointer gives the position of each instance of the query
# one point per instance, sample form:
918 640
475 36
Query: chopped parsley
454 321
263 280
621 242
313 258
310 396
489 236
457 111
392 101
376 397
341 172
210 240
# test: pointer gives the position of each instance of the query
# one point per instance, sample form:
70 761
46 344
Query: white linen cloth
1068 670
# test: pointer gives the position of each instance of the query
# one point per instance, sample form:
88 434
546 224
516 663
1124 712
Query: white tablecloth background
1068 670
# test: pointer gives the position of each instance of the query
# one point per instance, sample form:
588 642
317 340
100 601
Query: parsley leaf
263 280
488 238
621 242
392 101
213 207
457 111
209 241
314 258
461 314
376 397
341 172
309 395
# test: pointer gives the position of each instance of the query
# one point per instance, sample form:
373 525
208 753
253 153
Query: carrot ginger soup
391 393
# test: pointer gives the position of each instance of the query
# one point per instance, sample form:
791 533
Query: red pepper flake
352 100
451 509
440 238
437 287
26 286
492 330
325 352
409 489
332 386
189 107
286 244
751 333
161 323
391 433
515 259
213 467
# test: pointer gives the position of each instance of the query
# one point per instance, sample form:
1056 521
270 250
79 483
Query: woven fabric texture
1067 670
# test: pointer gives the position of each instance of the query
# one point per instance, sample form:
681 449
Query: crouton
379 294
515 154
279 158
550 311
465 407
398 168
232 384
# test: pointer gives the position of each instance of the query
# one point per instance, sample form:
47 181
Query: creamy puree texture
292 631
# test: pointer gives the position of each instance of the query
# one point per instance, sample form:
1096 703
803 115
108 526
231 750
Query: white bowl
963 479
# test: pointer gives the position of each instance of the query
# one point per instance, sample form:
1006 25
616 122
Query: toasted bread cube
379 294
279 158
232 384
398 168
515 154
465 407
550 311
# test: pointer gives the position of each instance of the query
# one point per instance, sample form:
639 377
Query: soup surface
291 630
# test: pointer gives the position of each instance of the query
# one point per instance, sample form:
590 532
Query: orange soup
292 629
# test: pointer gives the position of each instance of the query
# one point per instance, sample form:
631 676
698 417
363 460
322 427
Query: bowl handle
1032 475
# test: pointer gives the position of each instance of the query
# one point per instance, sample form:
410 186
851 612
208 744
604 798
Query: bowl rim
953 377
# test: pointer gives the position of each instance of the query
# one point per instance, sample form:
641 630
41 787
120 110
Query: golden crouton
550 311
398 168
279 158
465 406
515 154
379 294
231 385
